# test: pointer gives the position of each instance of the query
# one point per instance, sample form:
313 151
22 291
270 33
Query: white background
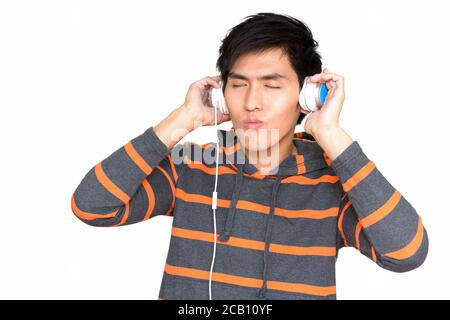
79 79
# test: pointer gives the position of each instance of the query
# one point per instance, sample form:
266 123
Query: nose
253 99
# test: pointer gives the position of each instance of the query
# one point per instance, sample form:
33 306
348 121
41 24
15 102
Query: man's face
273 100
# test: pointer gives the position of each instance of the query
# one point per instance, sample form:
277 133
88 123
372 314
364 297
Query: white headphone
311 97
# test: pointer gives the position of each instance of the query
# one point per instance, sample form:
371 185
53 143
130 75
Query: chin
258 139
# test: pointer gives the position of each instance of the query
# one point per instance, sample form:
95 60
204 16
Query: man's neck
269 159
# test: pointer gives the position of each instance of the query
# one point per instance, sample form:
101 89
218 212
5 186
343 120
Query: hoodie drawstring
232 211
269 225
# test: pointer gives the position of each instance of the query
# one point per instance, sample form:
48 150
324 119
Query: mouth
253 124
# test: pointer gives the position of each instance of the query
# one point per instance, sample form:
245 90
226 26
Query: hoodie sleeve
133 184
374 217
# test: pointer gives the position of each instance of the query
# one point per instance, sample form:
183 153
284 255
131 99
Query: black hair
265 31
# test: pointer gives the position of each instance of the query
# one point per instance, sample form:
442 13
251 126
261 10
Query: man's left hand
327 118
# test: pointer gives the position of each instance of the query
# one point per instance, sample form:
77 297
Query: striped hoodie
278 235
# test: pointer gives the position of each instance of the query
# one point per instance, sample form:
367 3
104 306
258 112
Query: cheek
285 109
282 99
233 103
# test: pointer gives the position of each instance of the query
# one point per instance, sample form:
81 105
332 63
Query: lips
253 123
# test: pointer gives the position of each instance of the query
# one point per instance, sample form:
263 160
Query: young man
280 225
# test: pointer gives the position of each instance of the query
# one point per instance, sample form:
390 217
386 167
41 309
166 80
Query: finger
216 79
320 77
325 74
323 77
332 84
209 81
337 80
316 77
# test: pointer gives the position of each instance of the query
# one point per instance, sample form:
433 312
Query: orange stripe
230 150
255 245
227 150
253 206
308 213
125 215
303 251
172 166
256 175
211 171
374 256
327 158
172 187
198 198
311 181
109 185
383 211
222 168
90 216
250 282
357 233
214 145
411 248
359 176
231 164
341 218
136 157
300 164
151 198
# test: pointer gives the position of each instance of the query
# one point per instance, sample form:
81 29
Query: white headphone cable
214 203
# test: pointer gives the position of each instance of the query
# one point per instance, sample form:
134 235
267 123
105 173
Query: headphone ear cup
311 95
302 95
222 98
218 99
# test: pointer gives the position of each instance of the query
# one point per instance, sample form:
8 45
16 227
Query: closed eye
237 86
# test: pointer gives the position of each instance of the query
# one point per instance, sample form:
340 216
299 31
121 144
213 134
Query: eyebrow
271 76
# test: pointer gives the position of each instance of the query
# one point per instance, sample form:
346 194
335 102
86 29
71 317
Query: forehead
270 64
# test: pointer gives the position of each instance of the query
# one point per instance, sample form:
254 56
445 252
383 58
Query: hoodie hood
309 157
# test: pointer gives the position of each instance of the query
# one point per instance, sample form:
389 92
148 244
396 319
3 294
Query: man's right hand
196 102
192 114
